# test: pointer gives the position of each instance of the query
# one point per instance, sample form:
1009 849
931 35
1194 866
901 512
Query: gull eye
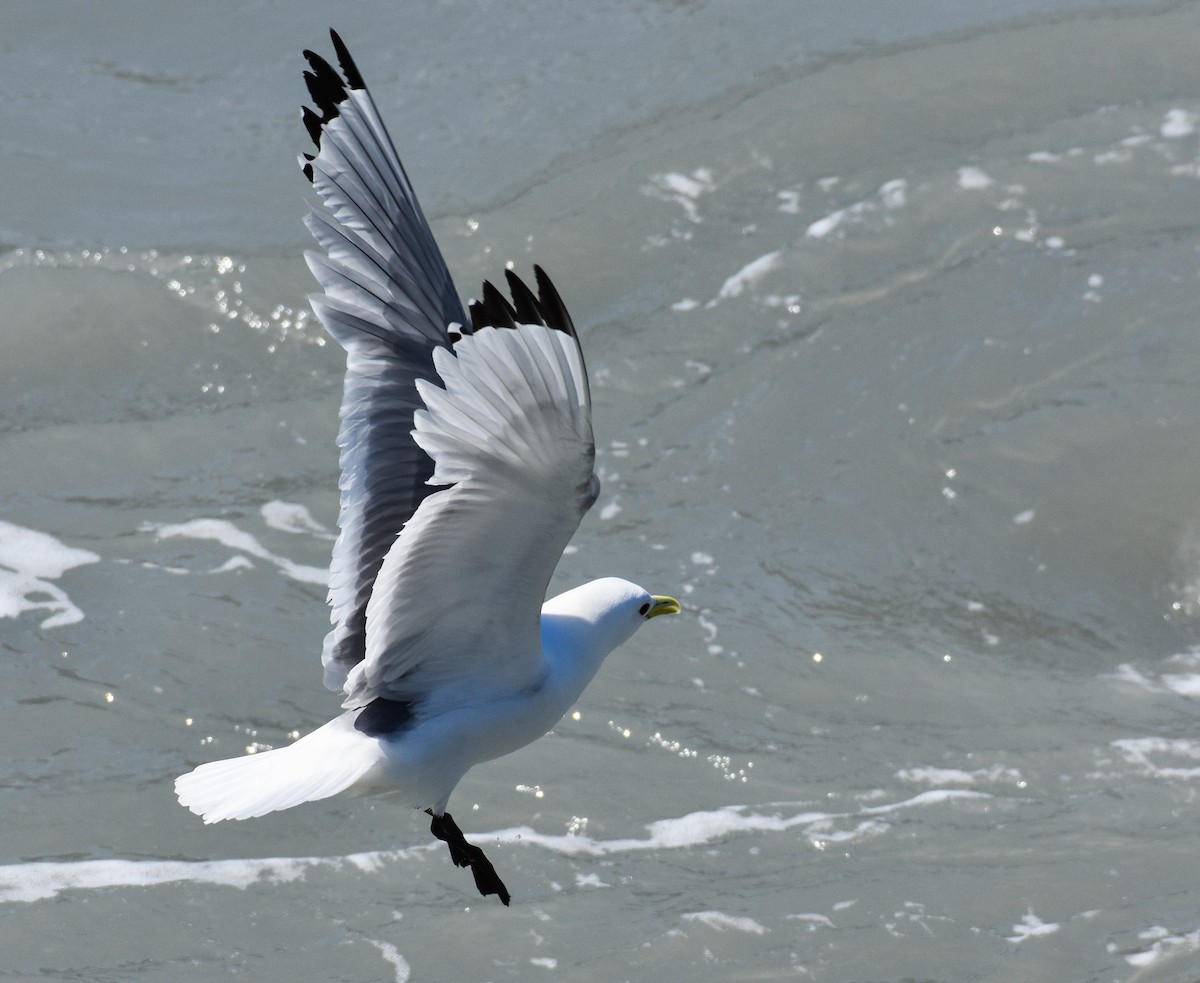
644 608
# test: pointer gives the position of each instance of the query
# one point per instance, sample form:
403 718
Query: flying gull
466 459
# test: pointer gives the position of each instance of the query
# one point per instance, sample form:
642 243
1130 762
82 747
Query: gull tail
330 760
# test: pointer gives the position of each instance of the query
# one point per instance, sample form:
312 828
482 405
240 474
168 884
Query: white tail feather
330 760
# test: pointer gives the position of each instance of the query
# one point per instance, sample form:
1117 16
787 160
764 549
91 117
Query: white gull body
466 456
457 726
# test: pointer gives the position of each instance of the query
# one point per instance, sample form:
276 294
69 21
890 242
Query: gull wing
465 470
457 602
390 302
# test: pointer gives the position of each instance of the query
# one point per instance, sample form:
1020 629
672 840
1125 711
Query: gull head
612 601
600 615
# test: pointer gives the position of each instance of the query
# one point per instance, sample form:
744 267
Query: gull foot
466 854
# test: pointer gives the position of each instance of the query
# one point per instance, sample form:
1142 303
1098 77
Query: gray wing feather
389 301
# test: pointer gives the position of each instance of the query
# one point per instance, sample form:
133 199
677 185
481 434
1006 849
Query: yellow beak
662 605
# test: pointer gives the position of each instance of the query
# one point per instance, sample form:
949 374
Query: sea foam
41 880
29 561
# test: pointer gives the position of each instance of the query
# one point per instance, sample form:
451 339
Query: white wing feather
459 595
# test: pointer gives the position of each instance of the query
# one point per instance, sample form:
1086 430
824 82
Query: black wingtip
327 88
547 308
493 310
312 123
553 308
325 85
353 77
529 311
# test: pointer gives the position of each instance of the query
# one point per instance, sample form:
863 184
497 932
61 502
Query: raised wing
458 599
389 300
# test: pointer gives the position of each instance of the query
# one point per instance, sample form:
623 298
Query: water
890 317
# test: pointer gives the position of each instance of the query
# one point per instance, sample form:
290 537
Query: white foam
789 202
823 226
681 184
894 193
38 881
227 534
813 920
956 776
1125 673
292 517
700 828
391 955
932 797
936 776
1147 752
1178 123
683 189
721 921
1164 944
236 562
29 561
1030 926
41 880
1185 683
610 510
747 276
39 554
973 179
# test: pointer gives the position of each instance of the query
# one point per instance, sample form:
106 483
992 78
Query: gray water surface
890 314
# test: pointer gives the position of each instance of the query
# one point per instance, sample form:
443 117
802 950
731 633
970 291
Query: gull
466 455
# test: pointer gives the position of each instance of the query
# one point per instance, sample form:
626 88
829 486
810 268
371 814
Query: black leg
466 854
